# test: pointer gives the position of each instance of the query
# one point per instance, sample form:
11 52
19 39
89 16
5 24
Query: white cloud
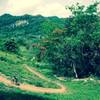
44 7
22 6
55 9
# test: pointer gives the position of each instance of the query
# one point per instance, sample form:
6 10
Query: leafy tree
75 50
11 46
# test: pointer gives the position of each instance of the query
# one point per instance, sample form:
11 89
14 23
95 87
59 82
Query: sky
35 7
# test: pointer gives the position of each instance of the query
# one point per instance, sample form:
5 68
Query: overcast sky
43 7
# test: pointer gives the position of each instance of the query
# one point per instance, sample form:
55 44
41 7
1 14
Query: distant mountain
28 27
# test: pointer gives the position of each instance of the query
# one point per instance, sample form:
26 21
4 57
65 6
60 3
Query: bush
11 46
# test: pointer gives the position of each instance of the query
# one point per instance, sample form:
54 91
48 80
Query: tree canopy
75 50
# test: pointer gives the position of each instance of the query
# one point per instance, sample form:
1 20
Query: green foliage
11 46
74 51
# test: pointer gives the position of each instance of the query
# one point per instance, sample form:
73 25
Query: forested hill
28 25
71 45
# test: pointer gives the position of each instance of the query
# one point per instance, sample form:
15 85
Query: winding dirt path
32 88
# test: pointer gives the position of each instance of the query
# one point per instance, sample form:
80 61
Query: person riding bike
15 80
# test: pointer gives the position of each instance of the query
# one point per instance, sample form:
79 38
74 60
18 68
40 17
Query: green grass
75 91
79 91
10 57
12 64
11 93
23 74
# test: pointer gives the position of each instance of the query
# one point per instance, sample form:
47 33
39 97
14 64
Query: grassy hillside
28 31
12 64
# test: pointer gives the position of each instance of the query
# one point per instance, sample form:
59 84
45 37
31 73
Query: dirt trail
36 73
32 88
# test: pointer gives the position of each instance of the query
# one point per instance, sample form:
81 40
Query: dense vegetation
75 50
71 45
65 47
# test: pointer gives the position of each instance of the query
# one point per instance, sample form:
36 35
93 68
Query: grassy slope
81 91
13 64
78 90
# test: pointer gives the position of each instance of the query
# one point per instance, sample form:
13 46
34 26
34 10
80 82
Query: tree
74 51
11 46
